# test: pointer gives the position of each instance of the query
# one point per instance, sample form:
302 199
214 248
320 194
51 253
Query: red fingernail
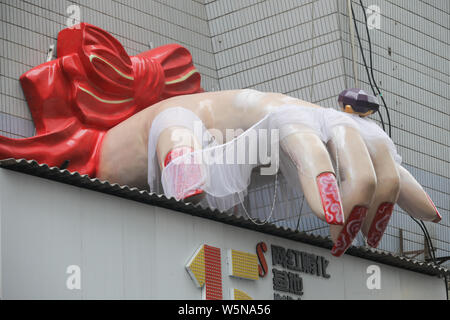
350 230
331 200
187 177
192 193
379 224
438 216
175 153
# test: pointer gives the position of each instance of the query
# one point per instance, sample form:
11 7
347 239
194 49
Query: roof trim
33 168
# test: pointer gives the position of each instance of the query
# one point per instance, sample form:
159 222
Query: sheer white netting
226 168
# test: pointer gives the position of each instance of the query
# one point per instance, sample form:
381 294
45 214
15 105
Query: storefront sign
288 268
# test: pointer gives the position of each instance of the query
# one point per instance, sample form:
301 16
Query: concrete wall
279 46
298 47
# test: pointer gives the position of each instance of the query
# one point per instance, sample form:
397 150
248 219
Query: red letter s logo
262 267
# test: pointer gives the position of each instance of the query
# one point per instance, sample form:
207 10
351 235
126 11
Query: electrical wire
431 250
372 82
371 69
428 241
365 64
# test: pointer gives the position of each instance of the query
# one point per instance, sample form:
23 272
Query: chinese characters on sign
205 269
289 281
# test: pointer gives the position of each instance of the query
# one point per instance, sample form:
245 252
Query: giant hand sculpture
111 117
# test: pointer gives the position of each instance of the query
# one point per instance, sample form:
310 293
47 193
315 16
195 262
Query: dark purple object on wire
359 100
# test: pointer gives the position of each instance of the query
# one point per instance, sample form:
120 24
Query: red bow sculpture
92 86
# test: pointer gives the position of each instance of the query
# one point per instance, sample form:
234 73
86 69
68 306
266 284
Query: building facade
302 48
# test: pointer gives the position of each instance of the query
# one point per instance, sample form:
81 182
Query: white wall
129 250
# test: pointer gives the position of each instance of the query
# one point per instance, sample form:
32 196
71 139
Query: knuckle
365 187
388 184
368 183
392 183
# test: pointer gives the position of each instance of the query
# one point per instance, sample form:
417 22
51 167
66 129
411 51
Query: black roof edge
33 168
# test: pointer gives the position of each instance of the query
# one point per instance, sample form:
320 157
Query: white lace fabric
226 170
